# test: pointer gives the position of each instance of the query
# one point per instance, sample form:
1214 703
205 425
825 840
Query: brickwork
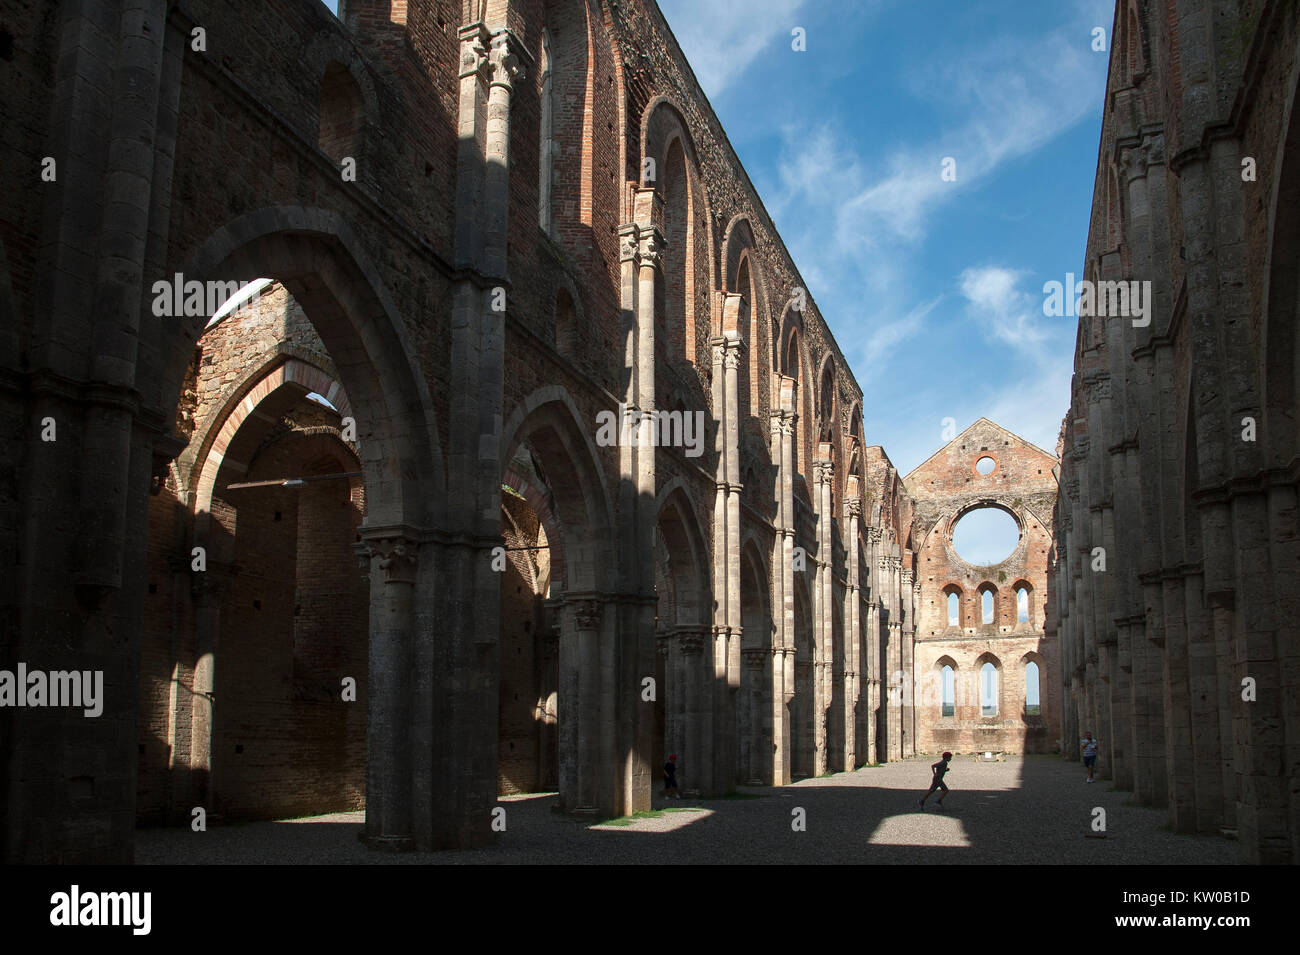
775 584
1179 450
949 485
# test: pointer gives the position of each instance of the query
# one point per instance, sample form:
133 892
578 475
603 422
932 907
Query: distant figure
670 777
939 769
1089 754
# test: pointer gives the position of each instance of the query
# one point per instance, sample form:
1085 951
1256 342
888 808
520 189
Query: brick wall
944 489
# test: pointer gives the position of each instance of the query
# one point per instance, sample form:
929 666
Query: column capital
475 41
692 642
397 557
505 60
629 243
651 247
587 612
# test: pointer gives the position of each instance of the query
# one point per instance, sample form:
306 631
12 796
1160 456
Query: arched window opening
949 700
988 690
986 606
792 371
546 138
672 281
1022 604
1033 705
954 610
827 400
746 384
342 114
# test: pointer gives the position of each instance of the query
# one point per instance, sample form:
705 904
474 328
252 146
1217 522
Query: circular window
985 465
985 535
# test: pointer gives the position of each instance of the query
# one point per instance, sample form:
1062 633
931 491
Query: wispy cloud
1006 312
1033 396
722 38
891 334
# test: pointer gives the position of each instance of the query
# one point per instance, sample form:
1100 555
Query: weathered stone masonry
499 149
1180 447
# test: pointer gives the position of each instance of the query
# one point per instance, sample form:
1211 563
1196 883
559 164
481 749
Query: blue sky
933 289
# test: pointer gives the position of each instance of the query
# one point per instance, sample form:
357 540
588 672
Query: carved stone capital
651 248
692 643
1154 145
629 245
506 67
587 613
474 43
397 558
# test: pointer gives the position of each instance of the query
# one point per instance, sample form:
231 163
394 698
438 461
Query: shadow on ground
1026 810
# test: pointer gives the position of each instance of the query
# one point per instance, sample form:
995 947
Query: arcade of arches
358 542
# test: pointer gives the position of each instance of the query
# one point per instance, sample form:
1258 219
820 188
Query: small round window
985 465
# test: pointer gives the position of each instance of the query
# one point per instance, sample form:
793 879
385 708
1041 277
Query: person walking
939 769
670 777
1089 745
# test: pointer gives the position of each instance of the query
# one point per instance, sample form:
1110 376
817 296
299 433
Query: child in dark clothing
939 769
670 777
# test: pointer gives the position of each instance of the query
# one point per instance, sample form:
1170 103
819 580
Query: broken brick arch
742 273
293 375
581 504
317 257
586 607
687 269
685 609
540 502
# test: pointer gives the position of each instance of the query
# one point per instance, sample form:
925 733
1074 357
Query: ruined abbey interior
361 536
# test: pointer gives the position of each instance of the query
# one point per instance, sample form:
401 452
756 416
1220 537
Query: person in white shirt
1089 745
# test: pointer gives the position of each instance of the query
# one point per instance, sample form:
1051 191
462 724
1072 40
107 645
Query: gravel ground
1024 810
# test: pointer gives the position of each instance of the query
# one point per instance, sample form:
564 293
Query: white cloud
722 38
1005 311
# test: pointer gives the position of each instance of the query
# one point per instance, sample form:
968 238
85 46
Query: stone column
757 748
908 655
696 760
783 425
454 699
728 355
823 626
195 705
852 629
388 733
548 772
874 753
580 697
